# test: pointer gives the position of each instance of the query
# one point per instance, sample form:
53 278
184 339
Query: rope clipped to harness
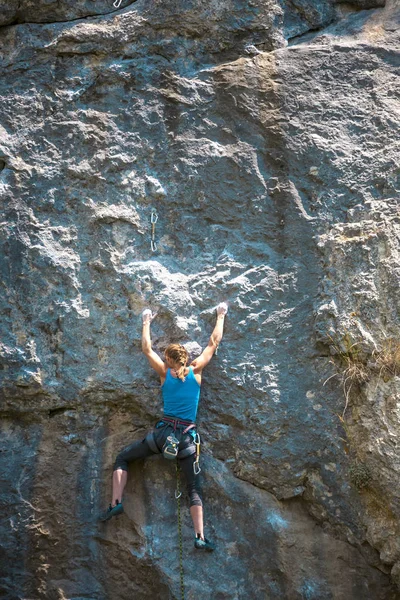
178 495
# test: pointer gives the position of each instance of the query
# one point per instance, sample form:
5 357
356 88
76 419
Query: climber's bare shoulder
156 362
197 374
202 361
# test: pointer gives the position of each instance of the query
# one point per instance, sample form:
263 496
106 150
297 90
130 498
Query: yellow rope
178 500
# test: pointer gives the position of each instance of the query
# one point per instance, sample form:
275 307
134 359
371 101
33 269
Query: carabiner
117 3
153 246
154 216
196 464
179 494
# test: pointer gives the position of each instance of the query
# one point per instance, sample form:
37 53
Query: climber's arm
202 361
155 361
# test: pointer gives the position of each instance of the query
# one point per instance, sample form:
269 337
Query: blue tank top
181 398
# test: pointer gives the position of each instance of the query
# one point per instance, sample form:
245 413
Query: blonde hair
179 355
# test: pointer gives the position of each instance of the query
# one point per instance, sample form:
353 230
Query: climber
180 387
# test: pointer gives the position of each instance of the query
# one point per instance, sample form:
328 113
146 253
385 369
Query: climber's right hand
148 316
222 308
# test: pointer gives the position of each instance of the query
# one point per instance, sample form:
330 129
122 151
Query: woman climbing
180 386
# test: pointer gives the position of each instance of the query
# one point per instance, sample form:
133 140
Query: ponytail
180 373
178 354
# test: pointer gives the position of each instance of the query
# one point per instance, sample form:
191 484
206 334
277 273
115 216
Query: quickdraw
153 221
196 464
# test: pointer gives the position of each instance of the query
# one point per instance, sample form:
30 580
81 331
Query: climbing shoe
112 511
205 544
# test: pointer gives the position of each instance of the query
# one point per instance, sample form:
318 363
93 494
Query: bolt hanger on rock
153 221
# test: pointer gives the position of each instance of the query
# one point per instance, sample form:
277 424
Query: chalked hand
222 308
147 315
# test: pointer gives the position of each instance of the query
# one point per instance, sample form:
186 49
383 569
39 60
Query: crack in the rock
60 410
17 23
296 39
292 41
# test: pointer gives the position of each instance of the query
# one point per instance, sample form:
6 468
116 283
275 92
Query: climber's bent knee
192 480
132 452
194 497
193 488
119 466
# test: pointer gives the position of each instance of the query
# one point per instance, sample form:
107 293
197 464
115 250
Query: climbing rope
178 495
153 221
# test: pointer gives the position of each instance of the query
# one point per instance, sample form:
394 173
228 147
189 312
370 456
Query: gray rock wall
265 135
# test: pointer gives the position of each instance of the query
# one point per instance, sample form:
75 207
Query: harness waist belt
179 422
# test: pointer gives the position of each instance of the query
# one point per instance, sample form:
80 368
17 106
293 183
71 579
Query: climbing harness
153 221
117 3
190 448
178 495
196 464
187 451
171 447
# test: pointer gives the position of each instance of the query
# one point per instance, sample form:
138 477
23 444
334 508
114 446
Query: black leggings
142 450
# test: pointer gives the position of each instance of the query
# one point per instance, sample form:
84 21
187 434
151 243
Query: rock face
265 138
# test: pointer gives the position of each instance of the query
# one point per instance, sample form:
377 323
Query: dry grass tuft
355 367
350 364
387 359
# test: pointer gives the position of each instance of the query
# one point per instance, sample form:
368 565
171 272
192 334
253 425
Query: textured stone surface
265 135
49 11
362 258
